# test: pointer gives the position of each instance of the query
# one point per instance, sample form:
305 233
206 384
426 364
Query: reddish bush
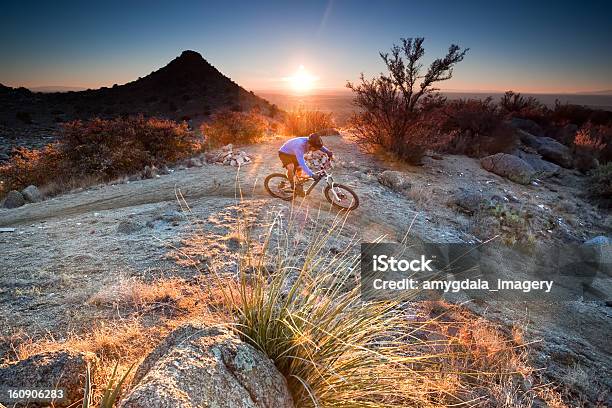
234 127
110 148
99 150
594 141
516 105
28 167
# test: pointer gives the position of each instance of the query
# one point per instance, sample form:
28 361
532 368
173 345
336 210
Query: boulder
555 152
199 366
468 201
542 168
13 199
527 125
509 166
32 194
57 369
395 180
528 139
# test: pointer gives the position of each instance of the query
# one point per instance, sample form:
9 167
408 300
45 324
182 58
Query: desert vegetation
234 127
401 112
99 150
302 122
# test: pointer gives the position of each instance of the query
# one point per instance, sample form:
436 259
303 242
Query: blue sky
544 47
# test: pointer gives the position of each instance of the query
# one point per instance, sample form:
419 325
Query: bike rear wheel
278 185
344 198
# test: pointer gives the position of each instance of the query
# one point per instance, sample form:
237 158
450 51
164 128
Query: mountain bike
339 195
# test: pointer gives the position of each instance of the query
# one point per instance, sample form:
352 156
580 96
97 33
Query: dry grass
300 306
146 313
302 122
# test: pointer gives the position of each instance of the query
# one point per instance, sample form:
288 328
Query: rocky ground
59 253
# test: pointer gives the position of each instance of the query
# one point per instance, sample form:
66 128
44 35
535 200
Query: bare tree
389 103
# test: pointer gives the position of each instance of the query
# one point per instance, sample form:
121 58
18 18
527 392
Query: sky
527 46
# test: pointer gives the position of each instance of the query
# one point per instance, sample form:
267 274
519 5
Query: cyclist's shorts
288 159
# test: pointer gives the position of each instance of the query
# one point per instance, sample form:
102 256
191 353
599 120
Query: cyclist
292 154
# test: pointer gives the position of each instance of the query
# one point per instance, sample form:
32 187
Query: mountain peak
190 55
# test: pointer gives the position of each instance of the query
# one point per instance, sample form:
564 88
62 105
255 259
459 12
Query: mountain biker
292 153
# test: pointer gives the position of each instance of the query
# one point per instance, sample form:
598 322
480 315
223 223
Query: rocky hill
188 88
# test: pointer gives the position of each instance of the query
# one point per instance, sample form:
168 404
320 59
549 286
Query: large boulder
528 139
527 125
14 199
198 366
555 152
511 167
32 194
542 168
395 180
58 369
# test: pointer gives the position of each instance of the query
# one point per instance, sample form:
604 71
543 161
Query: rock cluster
316 160
230 157
15 198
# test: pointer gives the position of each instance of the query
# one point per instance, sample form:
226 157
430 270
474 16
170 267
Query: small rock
62 369
395 180
149 172
32 194
129 226
468 201
13 199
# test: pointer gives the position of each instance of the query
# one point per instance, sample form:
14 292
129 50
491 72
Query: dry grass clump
235 128
302 122
302 307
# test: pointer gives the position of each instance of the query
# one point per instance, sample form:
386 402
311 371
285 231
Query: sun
302 80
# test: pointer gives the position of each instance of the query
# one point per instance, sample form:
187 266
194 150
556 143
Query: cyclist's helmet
315 141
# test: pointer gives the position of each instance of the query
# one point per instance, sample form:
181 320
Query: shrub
99 150
476 128
234 127
302 122
110 148
36 166
514 102
389 104
600 181
594 141
579 115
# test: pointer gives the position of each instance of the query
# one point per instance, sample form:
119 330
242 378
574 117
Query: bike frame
328 179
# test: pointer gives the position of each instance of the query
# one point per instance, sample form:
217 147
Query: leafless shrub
389 104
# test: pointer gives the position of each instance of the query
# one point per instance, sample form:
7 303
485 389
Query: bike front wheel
341 197
279 186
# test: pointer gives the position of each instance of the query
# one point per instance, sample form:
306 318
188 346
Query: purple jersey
298 147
